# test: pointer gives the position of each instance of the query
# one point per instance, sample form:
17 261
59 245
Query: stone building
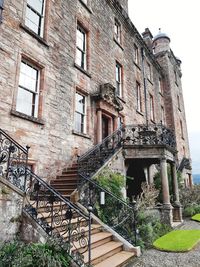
73 72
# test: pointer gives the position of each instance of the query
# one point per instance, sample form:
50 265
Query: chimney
124 4
148 38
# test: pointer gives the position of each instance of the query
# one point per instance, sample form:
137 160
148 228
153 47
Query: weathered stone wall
10 213
52 138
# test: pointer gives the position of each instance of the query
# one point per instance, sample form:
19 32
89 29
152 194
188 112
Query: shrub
150 228
190 200
19 254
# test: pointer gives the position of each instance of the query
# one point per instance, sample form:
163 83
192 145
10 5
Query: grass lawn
178 240
196 217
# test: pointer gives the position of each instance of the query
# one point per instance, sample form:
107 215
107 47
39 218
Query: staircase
67 182
105 251
51 208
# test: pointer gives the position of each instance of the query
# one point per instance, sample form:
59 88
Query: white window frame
35 93
117 31
40 26
81 128
152 113
149 71
136 54
118 78
83 49
139 98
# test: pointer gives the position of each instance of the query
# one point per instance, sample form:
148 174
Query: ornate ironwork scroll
112 210
94 159
153 135
59 218
13 161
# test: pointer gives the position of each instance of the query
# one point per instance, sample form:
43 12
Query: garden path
155 258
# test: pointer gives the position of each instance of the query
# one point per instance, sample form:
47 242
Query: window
136 55
181 127
28 90
81 48
117 32
34 19
162 115
160 86
1 9
175 76
149 74
152 117
118 74
139 100
80 113
178 102
119 122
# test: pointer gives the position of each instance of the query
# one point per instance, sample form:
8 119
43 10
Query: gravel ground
155 258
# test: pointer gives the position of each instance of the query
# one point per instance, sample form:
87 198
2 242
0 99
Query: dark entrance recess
105 123
136 172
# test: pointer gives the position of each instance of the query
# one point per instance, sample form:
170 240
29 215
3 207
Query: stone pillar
165 183
175 182
99 126
115 123
177 210
166 211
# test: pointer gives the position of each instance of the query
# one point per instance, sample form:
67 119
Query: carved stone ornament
108 94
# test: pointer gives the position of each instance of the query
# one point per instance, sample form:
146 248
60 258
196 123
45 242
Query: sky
179 20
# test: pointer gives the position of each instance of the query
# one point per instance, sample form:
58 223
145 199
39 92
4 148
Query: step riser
98 243
64 186
106 255
64 181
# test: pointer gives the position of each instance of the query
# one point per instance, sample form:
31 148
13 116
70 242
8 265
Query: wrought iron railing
58 217
112 210
13 160
94 159
115 212
152 135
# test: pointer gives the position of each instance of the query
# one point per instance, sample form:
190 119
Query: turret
161 42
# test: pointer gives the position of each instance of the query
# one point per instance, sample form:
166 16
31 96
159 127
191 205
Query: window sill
180 109
118 43
81 134
176 84
139 112
33 34
82 70
86 6
137 65
27 117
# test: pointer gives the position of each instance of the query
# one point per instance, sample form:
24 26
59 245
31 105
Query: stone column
115 123
166 211
165 183
99 126
175 182
177 209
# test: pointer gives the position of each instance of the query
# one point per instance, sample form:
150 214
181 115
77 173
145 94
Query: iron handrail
13 141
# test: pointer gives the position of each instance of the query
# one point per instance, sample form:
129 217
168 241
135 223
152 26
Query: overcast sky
180 20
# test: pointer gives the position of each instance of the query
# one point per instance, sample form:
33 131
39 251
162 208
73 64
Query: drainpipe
145 87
